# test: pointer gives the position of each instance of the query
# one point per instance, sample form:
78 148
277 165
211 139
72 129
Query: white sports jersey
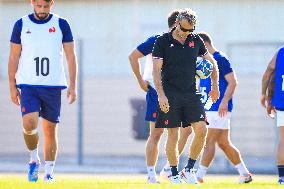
41 61
148 69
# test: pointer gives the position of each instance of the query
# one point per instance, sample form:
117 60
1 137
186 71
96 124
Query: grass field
131 182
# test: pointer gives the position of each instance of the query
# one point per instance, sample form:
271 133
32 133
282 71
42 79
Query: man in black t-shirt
174 58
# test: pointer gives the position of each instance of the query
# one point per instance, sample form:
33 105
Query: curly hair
172 17
189 15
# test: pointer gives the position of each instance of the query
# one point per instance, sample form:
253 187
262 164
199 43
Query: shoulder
19 23
150 40
163 38
220 56
63 22
197 37
281 49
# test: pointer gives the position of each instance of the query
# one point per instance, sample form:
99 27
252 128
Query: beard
41 16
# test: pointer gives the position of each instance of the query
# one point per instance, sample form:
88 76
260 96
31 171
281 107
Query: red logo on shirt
23 109
166 122
52 30
154 115
191 44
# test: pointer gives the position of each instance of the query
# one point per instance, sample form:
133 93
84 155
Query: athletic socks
281 171
174 170
201 172
242 169
190 164
151 171
167 166
48 167
34 156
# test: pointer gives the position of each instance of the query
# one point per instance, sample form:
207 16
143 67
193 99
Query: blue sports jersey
146 47
225 68
278 96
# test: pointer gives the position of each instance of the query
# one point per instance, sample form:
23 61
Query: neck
178 37
37 18
211 49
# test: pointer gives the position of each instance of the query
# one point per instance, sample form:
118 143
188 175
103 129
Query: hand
71 94
223 108
15 95
214 93
144 85
270 109
164 104
263 100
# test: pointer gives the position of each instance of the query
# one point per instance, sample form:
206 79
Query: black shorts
184 110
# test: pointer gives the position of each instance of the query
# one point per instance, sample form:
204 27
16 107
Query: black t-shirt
179 61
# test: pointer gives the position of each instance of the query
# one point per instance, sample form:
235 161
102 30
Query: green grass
131 182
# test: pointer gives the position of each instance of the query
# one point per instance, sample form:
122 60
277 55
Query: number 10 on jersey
42 66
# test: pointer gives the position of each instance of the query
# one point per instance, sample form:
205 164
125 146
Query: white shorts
217 122
280 118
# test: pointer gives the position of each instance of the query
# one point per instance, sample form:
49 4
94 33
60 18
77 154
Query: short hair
172 17
205 36
189 15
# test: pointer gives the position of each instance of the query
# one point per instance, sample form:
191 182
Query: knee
156 135
29 127
201 131
209 146
29 124
224 145
172 134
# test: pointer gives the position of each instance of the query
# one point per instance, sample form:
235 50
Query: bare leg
50 146
183 137
152 145
198 142
171 146
50 140
209 149
224 142
30 122
280 150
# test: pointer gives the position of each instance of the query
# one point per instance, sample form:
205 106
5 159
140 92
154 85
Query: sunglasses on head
186 30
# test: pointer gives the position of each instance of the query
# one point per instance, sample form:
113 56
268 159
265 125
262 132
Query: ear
206 44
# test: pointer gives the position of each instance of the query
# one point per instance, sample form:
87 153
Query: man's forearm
265 80
215 75
229 91
270 90
73 71
136 68
158 82
12 69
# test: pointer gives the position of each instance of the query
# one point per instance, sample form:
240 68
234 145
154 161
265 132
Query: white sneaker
152 180
245 179
189 176
166 174
176 179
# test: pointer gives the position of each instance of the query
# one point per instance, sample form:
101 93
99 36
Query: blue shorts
152 105
46 101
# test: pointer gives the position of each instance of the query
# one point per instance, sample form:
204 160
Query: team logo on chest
191 44
28 31
52 30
